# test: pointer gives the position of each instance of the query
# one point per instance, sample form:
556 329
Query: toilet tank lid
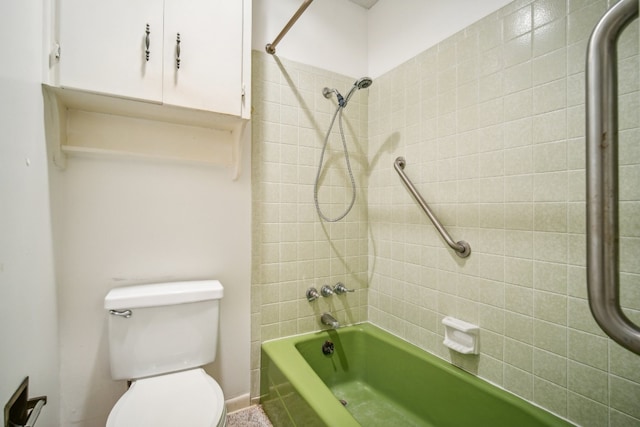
159 294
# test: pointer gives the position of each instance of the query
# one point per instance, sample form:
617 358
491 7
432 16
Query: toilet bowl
160 336
187 398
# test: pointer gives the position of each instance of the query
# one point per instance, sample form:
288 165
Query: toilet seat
187 398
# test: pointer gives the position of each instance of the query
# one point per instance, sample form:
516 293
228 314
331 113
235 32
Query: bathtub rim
305 381
316 393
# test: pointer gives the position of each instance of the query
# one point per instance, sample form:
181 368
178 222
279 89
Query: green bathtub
376 379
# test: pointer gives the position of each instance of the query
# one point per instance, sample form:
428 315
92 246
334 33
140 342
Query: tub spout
329 320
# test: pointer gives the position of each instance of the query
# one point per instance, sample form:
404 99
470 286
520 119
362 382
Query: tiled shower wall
292 249
491 123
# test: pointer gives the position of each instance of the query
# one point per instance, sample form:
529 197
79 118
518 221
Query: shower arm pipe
603 260
462 248
271 47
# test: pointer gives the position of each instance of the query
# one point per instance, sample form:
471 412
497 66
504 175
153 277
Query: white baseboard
238 403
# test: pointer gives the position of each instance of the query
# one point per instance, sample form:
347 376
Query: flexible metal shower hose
338 113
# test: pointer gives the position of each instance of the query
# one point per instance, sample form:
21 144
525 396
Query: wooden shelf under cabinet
85 123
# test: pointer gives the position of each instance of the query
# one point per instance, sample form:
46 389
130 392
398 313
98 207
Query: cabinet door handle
147 42
178 51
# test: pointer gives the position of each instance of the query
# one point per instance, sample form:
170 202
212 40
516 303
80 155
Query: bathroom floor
252 416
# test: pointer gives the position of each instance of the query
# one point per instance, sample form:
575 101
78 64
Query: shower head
363 83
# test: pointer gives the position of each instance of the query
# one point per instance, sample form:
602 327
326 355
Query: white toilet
159 337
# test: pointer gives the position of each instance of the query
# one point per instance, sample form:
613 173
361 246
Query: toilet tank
162 327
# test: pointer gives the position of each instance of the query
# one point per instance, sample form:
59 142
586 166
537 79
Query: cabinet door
102 44
210 73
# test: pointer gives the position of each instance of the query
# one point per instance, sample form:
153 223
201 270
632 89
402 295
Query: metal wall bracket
20 411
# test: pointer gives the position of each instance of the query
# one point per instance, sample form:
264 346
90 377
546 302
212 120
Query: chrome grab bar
602 176
462 248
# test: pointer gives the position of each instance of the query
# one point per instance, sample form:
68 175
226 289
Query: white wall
331 34
339 36
28 327
120 222
400 29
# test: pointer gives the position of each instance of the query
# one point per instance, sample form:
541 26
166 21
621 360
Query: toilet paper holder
20 411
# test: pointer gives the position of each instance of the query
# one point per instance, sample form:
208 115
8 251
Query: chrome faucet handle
312 294
340 289
326 291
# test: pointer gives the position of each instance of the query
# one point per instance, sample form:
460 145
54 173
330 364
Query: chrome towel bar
603 259
462 248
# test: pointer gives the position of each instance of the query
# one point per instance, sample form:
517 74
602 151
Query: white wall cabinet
152 60
130 49
210 73
102 47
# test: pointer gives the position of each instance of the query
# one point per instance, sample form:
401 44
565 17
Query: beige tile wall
292 249
491 122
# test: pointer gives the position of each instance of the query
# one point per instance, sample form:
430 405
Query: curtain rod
271 47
